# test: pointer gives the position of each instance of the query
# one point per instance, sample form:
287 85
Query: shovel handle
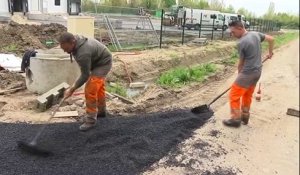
219 96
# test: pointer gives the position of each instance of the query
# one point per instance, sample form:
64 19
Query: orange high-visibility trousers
95 96
237 95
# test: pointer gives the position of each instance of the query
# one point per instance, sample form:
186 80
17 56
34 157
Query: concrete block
201 41
46 100
56 97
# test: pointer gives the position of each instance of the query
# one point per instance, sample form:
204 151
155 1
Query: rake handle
33 142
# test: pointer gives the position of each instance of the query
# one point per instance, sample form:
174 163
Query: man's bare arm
270 41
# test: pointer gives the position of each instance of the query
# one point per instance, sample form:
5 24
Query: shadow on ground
118 145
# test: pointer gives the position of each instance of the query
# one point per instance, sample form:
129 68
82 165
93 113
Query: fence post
200 25
266 26
223 27
161 27
279 28
213 28
254 26
250 21
183 27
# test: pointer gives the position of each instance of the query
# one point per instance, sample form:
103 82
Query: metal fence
122 32
105 9
134 28
179 31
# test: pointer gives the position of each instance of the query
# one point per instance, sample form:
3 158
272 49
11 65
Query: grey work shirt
93 58
249 49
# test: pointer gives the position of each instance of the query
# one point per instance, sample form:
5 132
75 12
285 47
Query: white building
40 6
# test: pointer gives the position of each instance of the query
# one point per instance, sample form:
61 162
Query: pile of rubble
29 36
73 104
11 80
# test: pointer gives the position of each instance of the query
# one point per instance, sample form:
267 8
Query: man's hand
68 93
269 56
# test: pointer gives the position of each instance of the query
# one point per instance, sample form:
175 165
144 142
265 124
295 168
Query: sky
259 7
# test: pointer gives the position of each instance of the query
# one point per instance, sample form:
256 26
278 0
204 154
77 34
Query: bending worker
249 72
95 61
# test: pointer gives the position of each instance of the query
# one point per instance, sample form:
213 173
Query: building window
57 2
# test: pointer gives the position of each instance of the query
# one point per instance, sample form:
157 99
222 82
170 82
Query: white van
234 17
193 17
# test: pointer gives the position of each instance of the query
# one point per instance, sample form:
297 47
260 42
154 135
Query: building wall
52 8
34 5
47 6
3 7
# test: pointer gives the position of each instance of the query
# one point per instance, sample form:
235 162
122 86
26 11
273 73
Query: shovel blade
201 109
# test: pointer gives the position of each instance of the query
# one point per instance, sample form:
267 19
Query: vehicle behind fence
136 28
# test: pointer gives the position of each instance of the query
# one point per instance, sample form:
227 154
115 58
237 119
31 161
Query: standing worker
95 61
249 72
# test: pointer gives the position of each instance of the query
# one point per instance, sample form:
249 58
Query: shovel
206 108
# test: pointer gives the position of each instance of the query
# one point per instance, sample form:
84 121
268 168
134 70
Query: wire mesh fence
123 28
183 30
105 9
126 32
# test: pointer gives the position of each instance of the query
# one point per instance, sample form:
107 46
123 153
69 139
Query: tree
118 2
216 5
271 11
187 3
203 4
229 9
168 3
149 4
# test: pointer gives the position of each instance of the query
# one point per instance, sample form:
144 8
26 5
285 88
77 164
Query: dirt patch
118 145
2 103
10 80
148 65
220 171
28 36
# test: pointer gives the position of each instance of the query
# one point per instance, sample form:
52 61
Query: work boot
101 112
89 123
245 118
232 122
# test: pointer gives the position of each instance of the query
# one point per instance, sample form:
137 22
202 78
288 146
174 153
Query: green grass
281 40
117 89
174 56
181 76
10 48
232 59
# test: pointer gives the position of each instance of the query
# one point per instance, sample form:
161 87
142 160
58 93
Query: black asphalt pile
118 145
